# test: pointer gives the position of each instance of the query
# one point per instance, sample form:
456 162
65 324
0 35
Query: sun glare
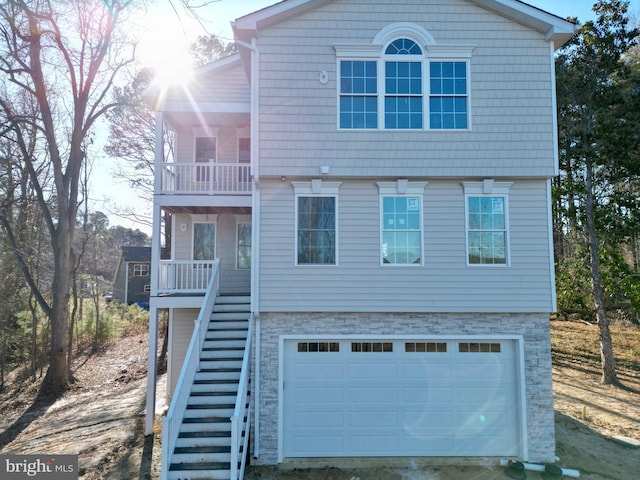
164 47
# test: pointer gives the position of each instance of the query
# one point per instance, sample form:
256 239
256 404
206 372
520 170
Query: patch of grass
579 342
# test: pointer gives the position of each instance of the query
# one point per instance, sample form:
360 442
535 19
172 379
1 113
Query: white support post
155 262
151 370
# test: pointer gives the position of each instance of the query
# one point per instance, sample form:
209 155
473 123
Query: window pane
244 246
448 101
316 230
401 230
205 149
487 236
358 94
403 46
204 235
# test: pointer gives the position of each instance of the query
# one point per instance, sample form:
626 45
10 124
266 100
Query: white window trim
315 188
487 188
431 51
242 219
402 188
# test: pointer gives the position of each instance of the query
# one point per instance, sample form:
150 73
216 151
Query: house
361 217
132 281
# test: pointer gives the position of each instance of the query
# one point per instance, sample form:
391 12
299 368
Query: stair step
203 449
200 470
231 307
244 299
215 381
240 325
201 420
223 349
210 406
221 355
225 343
219 434
213 394
233 334
191 439
242 317
207 413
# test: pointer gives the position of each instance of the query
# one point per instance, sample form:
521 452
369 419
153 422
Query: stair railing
242 411
171 423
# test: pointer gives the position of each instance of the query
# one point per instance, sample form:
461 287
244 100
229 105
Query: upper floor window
448 95
358 94
205 149
403 83
205 154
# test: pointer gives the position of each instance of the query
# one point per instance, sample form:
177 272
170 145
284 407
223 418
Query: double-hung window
487 222
448 106
358 94
316 222
401 222
404 84
316 230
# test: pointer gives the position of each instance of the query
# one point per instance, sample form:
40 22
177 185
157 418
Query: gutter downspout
255 232
155 263
556 170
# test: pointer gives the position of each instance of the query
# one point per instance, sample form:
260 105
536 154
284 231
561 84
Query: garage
354 397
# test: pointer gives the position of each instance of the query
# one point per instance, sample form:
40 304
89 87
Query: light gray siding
181 323
228 85
511 96
444 283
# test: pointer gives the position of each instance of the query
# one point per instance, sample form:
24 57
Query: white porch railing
171 423
206 178
185 276
242 410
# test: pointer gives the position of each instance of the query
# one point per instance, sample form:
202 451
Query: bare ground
101 420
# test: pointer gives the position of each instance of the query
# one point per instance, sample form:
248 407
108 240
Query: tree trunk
608 363
57 377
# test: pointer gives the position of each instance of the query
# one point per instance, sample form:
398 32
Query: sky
167 40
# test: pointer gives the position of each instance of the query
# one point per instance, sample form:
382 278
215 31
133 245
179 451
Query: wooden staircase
203 446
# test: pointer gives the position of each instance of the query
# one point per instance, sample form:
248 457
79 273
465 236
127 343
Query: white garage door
400 398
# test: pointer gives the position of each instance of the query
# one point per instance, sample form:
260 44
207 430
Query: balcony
185 276
206 179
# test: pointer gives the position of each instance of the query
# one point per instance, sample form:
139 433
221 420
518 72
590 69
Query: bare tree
63 56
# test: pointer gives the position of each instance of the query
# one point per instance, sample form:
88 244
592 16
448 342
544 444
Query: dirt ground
101 419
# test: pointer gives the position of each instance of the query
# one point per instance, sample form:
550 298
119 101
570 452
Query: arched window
403 46
403 80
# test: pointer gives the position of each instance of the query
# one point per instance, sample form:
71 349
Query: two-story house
361 228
